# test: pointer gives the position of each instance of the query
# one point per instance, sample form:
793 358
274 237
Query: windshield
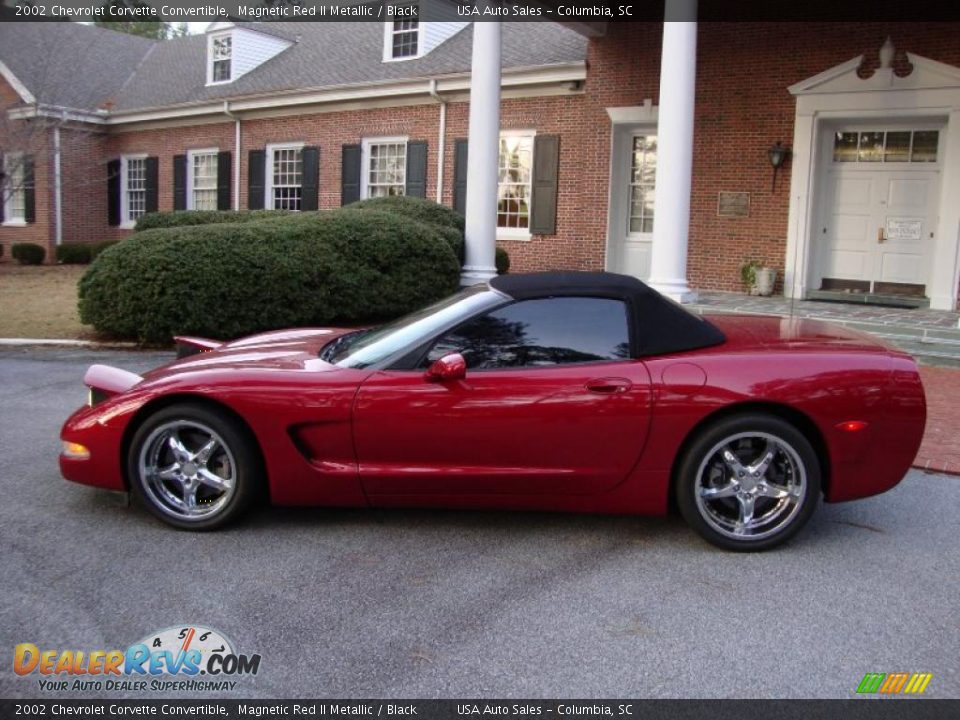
368 347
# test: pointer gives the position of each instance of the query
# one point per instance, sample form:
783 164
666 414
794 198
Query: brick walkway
940 450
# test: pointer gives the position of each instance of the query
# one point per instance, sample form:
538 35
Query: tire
738 496
194 467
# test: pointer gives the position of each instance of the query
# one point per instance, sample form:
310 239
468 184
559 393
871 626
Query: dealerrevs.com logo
189 658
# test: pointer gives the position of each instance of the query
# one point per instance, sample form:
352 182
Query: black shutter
151 168
417 169
309 198
350 175
179 182
460 176
543 203
256 167
29 190
224 179
113 192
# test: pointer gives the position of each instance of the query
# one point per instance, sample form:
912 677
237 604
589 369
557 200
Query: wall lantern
778 155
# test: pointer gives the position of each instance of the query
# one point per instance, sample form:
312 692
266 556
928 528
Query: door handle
881 236
609 386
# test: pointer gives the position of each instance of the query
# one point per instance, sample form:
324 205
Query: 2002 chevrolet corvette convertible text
583 392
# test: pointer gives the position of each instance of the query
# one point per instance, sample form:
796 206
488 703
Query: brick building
313 115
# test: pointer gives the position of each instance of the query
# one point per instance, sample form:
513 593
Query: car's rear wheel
748 482
194 467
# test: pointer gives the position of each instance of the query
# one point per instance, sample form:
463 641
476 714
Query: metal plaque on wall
733 204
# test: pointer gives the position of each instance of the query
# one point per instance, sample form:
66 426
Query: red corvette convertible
584 392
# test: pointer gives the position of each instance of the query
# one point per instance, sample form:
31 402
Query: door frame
929 94
625 123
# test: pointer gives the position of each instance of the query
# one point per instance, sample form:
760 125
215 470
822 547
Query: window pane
387 172
513 192
405 33
925 146
643 178
16 196
871 146
897 148
543 332
136 188
845 147
287 178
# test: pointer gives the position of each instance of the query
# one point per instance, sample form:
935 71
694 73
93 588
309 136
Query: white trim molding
14 82
929 94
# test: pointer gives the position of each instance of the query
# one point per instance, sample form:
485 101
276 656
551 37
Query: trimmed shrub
228 280
97 248
183 218
502 261
416 209
447 221
28 253
75 253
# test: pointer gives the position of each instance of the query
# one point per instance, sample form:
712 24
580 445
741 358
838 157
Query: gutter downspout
57 189
442 140
236 152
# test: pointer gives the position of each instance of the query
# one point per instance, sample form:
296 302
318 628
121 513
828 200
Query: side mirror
449 367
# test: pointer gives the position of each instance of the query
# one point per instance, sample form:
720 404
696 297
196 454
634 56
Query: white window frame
7 197
517 233
630 184
389 32
210 40
191 154
268 171
125 222
366 144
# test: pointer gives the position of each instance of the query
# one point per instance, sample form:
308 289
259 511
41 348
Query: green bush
97 248
502 261
228 280
28 253
182 218
415 208
448 222
75 253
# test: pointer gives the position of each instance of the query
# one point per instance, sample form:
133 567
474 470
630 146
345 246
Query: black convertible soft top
659 324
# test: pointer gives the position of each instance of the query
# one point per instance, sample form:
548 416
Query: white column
483 155
678 68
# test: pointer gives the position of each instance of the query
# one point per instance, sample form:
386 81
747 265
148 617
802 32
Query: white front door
880 212
633 185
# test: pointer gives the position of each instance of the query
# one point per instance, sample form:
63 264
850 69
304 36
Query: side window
543 332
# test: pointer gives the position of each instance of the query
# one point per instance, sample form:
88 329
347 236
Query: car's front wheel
748 482
194 467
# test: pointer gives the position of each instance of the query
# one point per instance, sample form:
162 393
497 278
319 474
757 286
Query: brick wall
17 136
742 107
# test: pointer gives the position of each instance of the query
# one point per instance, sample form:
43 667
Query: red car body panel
598 437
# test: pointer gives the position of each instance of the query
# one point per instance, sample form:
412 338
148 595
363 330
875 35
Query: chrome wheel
750 486
187 470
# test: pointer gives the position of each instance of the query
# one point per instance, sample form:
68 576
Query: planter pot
766 278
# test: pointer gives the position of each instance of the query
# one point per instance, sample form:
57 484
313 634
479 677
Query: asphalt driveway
465 604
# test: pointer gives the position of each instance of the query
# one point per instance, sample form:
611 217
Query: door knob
881 236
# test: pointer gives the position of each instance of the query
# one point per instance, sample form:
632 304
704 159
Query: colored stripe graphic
895 683
871 682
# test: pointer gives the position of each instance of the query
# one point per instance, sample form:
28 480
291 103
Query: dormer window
221 58
405 40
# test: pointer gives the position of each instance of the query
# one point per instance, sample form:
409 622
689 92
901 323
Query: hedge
415 208
28 253
75 253
182 218
227 280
